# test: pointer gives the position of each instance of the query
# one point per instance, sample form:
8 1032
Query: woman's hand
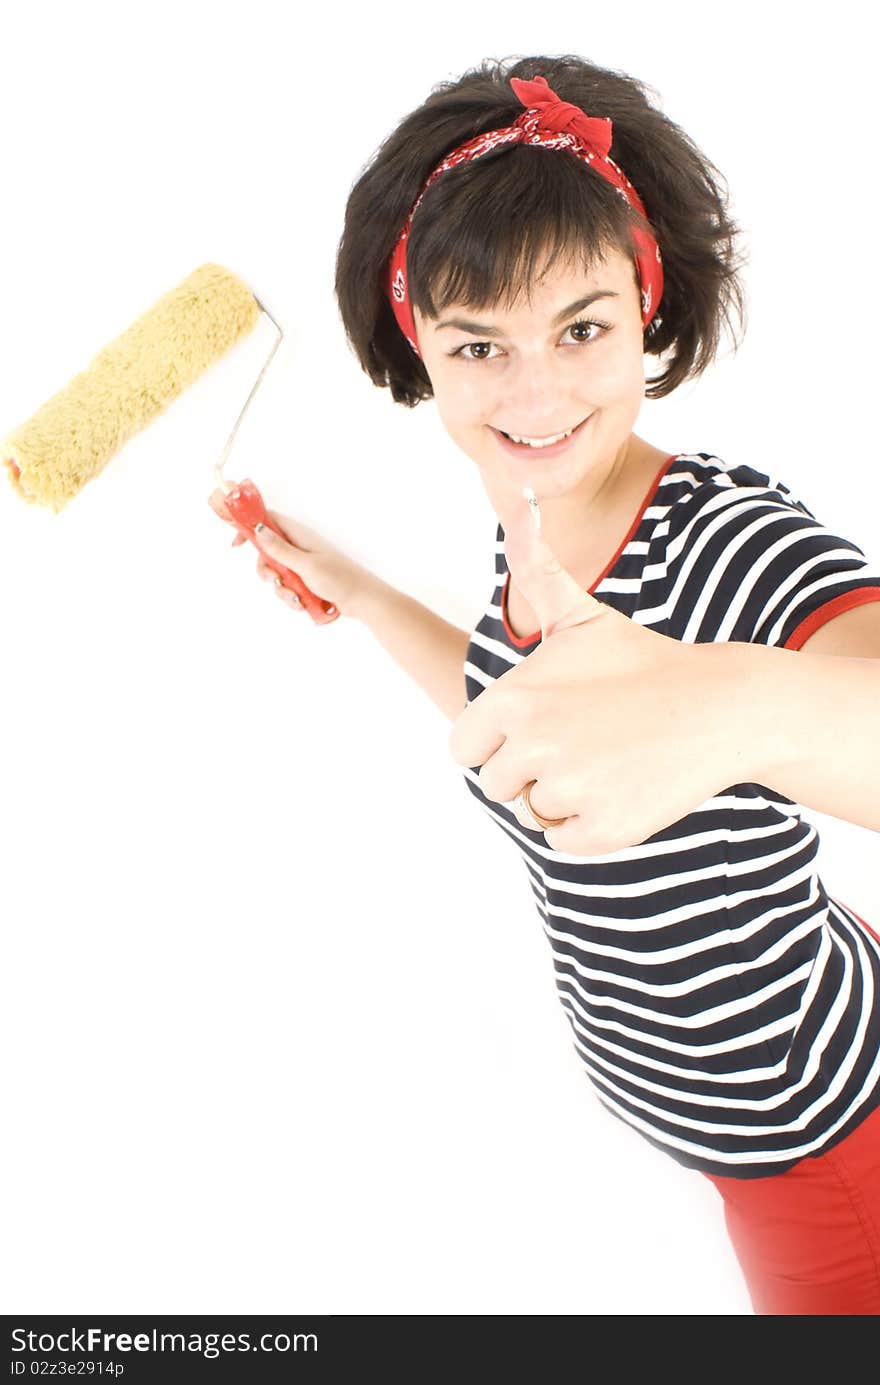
325 569
622 730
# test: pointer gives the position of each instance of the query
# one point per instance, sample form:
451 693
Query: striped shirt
722 1003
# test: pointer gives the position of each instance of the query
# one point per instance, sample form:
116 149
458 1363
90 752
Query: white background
280 1030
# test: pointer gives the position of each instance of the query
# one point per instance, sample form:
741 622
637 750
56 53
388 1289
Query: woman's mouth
536 452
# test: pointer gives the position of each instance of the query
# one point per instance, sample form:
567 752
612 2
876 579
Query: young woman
514 250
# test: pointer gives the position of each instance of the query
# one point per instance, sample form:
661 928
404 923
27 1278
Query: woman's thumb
292 531
283 547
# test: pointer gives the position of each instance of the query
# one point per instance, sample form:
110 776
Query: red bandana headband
554 124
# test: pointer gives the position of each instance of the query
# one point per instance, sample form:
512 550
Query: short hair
484 227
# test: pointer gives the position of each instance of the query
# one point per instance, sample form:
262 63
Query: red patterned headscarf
554 124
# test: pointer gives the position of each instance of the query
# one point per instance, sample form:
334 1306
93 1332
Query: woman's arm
427 647
816 718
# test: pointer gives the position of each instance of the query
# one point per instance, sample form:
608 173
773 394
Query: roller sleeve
73 436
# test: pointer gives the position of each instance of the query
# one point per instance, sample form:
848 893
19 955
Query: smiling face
538 370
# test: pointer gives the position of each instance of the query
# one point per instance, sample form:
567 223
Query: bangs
487 232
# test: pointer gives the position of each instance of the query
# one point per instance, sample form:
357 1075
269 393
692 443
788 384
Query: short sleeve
749 563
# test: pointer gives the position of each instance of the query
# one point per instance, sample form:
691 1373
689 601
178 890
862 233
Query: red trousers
808 1240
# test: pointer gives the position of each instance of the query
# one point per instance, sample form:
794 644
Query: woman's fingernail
258 528
529 495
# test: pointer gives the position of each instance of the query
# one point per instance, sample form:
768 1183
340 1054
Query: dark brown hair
484 228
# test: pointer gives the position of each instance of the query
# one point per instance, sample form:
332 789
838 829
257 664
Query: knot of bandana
561 117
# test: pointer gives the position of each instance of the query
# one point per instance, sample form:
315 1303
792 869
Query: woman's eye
583 341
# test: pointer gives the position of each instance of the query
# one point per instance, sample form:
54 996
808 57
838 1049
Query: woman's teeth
538 442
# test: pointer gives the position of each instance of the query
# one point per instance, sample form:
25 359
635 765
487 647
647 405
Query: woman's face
525 372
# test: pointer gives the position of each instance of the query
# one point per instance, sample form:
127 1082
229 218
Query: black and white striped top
723 1004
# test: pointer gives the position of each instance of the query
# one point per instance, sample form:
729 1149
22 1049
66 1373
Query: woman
517 246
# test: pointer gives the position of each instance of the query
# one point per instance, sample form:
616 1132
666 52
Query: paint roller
72 437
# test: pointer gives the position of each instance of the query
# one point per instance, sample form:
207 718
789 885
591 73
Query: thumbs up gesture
618 731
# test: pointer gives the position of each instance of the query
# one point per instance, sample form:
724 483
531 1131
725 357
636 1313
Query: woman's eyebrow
480 329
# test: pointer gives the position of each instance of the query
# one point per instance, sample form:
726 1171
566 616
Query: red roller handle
243 506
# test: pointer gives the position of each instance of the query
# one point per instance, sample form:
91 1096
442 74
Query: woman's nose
538 384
